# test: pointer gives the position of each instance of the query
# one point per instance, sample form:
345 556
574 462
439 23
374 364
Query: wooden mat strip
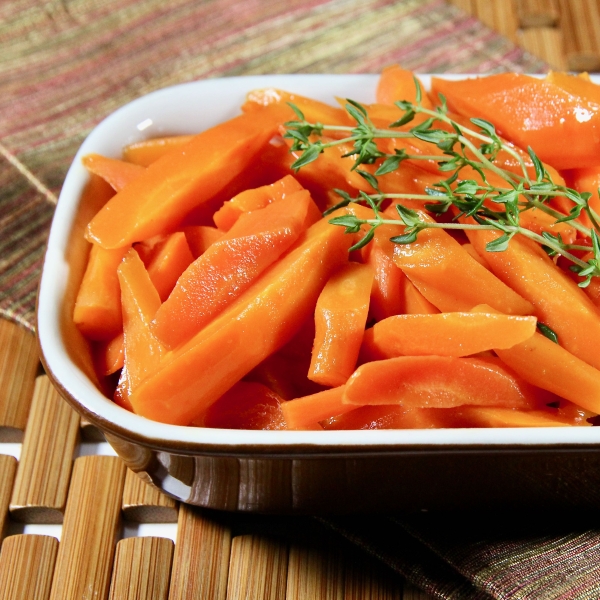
8 467
142 569
44 472
143 503
90 529
27 566
18 366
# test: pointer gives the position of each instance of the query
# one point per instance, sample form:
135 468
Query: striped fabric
66 65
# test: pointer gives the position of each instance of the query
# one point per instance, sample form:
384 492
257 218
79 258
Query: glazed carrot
109 355
117 173
587 180
169 261
340 318
142 351
559 302
259 322
444 272
200 237
390 416
449 334
438 382
247 405
396 83
313 110
305 413
97 312
492 416
184 179
253 199
551 367
534 112
229 267
146 152
414 302
387 297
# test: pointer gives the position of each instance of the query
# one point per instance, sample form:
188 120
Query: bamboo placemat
63 67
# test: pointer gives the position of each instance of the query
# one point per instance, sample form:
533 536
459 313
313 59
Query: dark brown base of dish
503 478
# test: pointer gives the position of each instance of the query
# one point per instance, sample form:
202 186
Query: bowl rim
147 115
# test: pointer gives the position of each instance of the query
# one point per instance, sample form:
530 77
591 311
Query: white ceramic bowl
286 471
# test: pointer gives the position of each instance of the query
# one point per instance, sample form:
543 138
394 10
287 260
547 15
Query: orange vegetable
200 237
229 266
184 179
390 416
449 334
414 302
170 259
117 173
142 351
559 303
446 274
256 198
306 413
245 406
396 83
258 323
534 112
109 355
148 151
97 312
550 367
340 318
587 180
492 416
438 382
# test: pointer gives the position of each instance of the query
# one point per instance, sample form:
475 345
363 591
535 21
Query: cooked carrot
184 179
229 267
439 382
445 273
414 302
449 334
396 83
142 351
306 413
169 261
492 416
340 318
259 322
551 367
559 302
256 198
109 355
247 405
97 312
200 237
117 173
146 152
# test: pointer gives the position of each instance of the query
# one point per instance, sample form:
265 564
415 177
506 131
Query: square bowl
288 471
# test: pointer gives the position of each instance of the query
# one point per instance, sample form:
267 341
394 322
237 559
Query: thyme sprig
461 146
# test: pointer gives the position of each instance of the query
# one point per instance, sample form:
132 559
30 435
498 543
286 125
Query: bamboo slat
142 569
8 467
315 573
366 579
545 42
580 24
257 568
537 13
26 566
499 15
201 559
19 363
90 529
44 471
143 503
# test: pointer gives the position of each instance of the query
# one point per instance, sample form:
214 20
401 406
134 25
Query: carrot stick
305 413
184 179
258 323
200 237
146 152
340 318
117 173
438 382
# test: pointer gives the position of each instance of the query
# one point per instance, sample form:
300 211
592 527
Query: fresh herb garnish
461 147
